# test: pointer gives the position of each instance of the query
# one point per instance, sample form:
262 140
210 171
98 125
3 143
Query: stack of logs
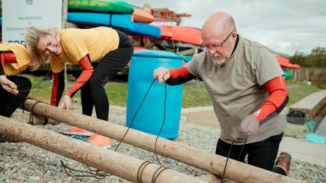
126 166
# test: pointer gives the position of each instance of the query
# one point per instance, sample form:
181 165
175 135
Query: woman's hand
8 85
66 103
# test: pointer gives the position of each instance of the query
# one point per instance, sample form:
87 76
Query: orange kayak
142 16
180 33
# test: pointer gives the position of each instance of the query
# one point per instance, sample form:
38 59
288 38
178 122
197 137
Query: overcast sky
285 26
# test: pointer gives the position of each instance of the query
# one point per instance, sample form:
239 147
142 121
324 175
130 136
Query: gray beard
219 63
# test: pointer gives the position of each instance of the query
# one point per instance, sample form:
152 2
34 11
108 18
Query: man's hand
66 103
161 74
8 85
250 125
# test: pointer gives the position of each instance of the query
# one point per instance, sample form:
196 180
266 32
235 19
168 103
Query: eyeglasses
214 47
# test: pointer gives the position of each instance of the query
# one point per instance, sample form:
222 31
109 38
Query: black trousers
9 102
260 154
93 92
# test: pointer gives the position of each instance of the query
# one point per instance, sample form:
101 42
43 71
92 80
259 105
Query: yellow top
77 43
22 57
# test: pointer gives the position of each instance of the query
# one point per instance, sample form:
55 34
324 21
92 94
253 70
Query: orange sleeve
87 68
178 72
277 100
179 76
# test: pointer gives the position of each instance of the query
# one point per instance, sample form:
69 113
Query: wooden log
115 163
210 178
213 163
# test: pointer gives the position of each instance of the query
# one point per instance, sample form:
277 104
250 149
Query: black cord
229 153
141 168
32 109
97 173
90 173
133 118
161 125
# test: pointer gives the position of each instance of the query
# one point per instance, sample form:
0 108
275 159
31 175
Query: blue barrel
187 58
150 116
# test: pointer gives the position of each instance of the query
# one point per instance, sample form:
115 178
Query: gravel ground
22 162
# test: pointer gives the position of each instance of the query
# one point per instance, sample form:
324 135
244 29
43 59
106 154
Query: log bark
236 171
115 163
210 178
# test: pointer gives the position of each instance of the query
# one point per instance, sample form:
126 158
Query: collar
235 45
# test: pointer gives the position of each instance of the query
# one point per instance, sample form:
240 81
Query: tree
317 58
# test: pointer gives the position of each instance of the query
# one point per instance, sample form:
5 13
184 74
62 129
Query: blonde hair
32 37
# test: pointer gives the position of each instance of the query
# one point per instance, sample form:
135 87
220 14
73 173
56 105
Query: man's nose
211 51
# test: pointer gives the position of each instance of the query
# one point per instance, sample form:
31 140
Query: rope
32 112
141 170
229 153
32 109
133 118
157 173
90 173
100 175
161 125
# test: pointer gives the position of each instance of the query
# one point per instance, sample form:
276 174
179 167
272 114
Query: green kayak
106 6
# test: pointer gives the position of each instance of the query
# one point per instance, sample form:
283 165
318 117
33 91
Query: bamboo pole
115 163
213 163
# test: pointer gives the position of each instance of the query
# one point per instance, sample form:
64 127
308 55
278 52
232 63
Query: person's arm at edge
57 88
10 57
277 100
179 75
87 70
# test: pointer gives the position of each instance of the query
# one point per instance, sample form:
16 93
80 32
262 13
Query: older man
247 87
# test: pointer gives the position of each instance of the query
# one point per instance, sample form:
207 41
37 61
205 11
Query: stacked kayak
104 6
92 13
140 15
145 29
142 20
182 34
112 13
93 19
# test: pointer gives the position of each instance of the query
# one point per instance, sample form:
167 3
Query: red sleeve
87 68
2 65
178 72
10 57
54 94
58 86
278 98
6 57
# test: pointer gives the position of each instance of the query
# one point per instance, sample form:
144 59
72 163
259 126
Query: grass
299 91
193 95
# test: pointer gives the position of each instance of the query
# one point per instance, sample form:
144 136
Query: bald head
218 24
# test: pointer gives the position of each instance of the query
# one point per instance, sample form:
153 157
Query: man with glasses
247 87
